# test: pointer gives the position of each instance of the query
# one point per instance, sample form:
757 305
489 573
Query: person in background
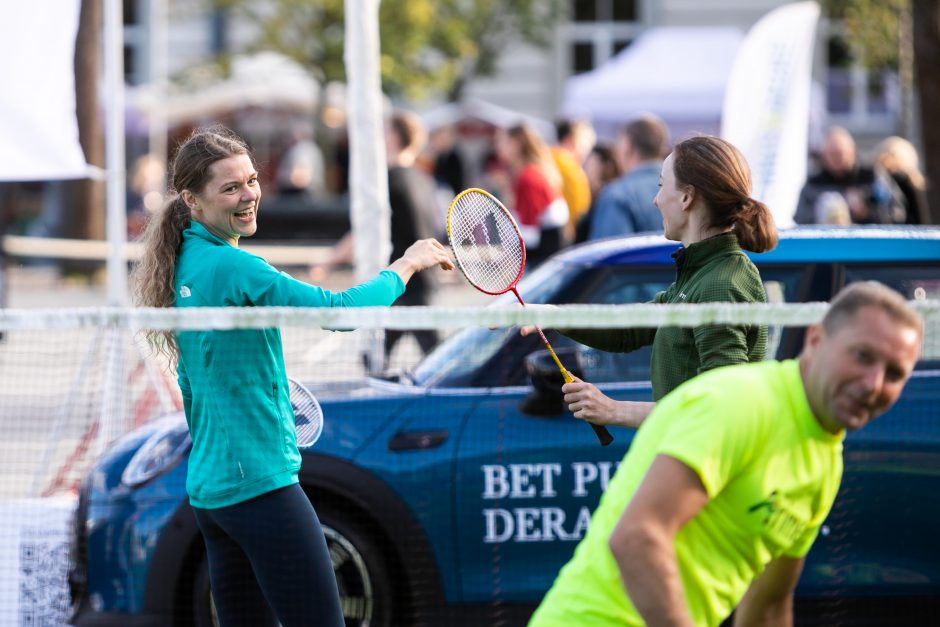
726 486
898 157
447 164
539 206
626 205
414 216
602 168
705 201
146 185
267 555
870 193
302 170
575 140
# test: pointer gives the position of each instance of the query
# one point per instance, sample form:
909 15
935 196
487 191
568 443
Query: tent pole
116 223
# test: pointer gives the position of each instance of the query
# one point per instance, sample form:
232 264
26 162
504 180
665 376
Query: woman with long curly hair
267 554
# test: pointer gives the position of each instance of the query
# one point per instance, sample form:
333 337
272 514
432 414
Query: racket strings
486 243
308 417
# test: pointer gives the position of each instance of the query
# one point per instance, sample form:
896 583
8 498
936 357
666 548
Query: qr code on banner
44 595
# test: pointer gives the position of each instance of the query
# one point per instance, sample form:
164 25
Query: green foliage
427 46
871 28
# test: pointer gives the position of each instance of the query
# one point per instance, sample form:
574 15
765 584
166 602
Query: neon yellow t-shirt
771 473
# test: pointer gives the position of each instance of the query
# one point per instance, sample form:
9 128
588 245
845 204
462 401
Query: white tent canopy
677 73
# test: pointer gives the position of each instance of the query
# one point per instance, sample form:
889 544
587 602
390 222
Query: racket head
308 416
486 241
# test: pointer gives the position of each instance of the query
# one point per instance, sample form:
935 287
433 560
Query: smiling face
672 202
856 372
228 205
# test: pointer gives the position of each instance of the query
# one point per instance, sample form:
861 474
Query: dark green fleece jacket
713 270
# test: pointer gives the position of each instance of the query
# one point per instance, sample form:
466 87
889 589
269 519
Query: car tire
366 589
203 607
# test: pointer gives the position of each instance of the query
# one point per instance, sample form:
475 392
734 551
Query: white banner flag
38 127
766 108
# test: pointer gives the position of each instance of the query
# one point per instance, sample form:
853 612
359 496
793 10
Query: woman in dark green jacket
266 550
704 196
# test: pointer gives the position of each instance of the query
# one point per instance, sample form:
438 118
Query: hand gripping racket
490 252
308 417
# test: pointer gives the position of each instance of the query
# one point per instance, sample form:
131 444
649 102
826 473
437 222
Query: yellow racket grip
551 351
603 435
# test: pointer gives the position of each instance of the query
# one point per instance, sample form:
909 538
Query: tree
881 33
428 46
926 25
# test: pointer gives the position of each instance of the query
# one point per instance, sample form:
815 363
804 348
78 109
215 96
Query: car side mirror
546 397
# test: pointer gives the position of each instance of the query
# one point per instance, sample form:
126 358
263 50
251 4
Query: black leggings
270 553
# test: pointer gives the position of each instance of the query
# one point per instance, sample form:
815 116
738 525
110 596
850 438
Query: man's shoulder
739 385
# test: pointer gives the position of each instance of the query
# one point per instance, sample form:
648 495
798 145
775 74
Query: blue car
454 494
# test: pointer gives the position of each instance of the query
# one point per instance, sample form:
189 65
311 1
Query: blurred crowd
576 186
581 188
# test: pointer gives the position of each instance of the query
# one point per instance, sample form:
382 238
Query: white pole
368 176
370 215
158 78
116 219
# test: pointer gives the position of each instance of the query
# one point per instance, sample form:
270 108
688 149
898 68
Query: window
914 282
859 96
617 286
582 58
632 285
598 30
603 10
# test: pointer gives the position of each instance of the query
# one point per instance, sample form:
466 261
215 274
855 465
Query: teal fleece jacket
234 386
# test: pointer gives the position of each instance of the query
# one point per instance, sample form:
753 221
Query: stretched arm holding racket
490 252
239 402
586 402
704 197
419 256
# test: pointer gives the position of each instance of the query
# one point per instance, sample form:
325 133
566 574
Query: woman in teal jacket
266 550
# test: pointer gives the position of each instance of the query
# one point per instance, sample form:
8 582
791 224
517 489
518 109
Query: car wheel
204 609
365 587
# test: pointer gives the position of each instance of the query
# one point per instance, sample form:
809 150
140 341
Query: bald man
846 192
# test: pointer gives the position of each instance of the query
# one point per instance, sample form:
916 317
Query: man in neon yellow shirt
730 478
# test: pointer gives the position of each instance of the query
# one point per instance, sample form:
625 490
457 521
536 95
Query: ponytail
754 225
720 175
155 273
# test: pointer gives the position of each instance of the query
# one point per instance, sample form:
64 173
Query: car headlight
162 450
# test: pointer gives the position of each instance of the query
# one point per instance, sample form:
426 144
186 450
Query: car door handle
417 440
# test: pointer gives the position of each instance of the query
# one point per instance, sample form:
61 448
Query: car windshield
455 360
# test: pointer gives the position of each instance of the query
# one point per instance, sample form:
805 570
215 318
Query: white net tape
564 316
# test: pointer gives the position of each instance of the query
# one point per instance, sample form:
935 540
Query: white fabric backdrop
767 105
38 128
677 73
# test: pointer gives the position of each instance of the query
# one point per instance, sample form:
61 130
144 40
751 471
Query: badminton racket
308 417
490 253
